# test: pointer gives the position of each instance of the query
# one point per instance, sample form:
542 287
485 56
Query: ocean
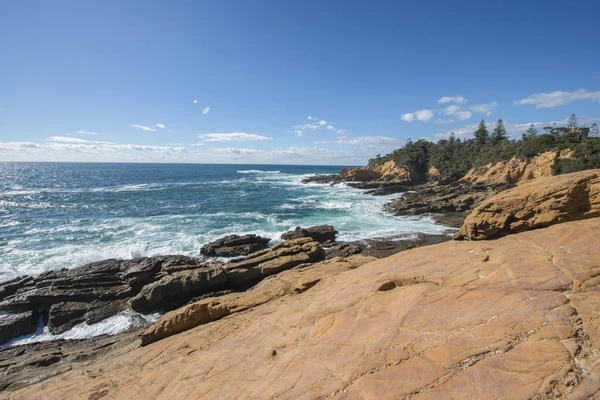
63 215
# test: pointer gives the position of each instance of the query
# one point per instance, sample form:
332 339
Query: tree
481 134
573 122
499 134
594 130
531 132
452 137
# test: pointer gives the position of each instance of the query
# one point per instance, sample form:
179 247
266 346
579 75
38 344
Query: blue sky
301 82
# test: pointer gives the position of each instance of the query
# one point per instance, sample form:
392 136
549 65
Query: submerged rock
235 245
325 234
535 204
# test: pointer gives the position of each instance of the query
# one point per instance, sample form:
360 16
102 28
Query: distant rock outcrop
235 245
324 234
535 204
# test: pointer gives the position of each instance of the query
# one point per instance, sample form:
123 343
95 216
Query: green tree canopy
499 134
481 134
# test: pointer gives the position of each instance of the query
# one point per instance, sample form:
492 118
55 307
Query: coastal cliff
516 170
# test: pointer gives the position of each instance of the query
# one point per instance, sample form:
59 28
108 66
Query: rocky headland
513 317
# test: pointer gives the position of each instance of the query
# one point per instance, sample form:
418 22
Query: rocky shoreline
197 292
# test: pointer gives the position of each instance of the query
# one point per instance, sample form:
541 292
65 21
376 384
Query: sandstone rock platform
518 317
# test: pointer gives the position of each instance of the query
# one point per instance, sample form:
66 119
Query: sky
284 82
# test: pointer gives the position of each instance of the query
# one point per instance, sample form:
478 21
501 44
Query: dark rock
384 247
433 198
234 245
450 219
343 250
176 289
285 255
388 188
63 316
323 179
99 290
15 325
100 310
324 234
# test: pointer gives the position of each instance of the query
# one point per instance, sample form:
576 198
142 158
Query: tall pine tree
499 132
531 132
481 134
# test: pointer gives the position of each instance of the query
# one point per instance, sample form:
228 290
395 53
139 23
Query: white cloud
453 109
457 112
299 132
452 99
484 108
82 132
64 139
462 115
439 121
369 141
316 125
558 98
205 110
235 150
6 146
421 115
143 127
527 125
231 137
161 126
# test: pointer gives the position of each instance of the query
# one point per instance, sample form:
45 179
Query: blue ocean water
61 215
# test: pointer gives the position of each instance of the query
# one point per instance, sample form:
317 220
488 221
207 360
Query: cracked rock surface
518 317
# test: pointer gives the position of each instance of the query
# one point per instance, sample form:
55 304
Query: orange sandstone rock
510 318
535 204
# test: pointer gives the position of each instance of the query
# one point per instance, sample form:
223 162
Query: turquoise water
61 215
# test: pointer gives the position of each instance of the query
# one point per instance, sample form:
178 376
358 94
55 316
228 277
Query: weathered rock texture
518 317
539 203
359 174
456 197
102 289
516 170
389 171
235 245
325 234
15 325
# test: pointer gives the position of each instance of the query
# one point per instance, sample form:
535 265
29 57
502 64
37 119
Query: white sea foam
256 171
122 322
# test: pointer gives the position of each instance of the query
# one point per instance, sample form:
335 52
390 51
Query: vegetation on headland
454 157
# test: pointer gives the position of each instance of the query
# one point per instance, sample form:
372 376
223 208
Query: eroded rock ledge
102 289
536 204
516 317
